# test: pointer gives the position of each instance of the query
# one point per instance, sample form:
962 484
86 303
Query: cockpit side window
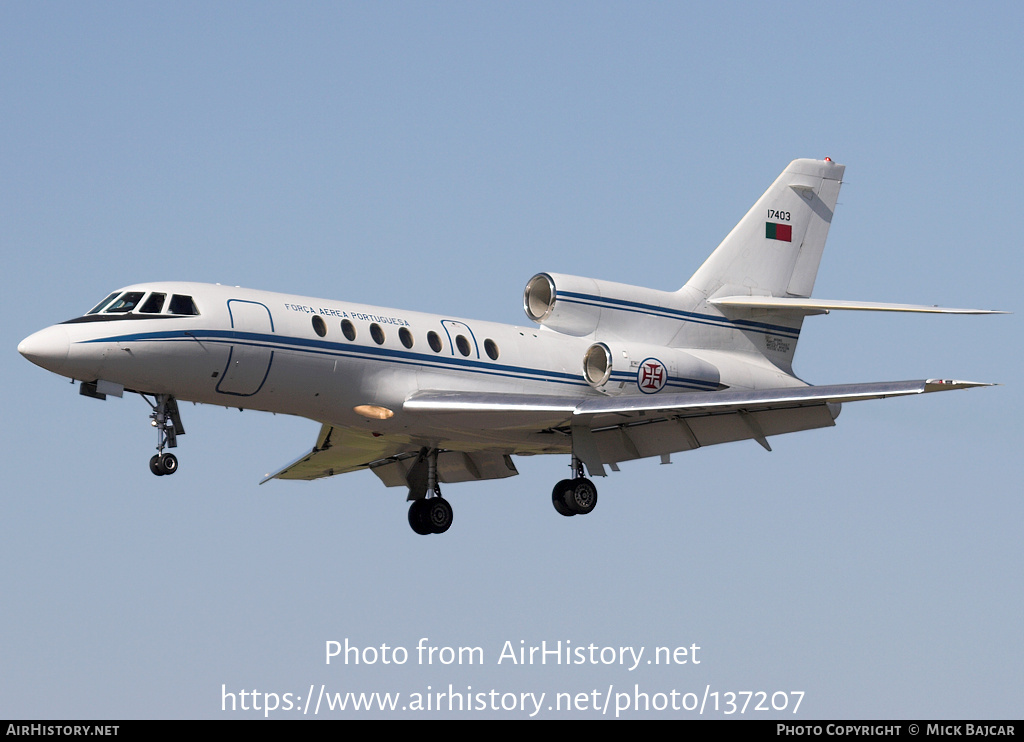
99 307
125 303
182 305
153 304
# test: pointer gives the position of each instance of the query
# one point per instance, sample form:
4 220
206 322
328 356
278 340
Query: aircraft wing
550 408
338 451
606 430
341 450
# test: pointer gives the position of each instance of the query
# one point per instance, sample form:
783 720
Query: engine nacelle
562 307
624 368
574 305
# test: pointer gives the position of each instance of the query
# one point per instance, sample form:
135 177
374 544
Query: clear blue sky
434 156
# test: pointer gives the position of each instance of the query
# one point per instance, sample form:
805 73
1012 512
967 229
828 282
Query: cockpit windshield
153 303
126 302
96 309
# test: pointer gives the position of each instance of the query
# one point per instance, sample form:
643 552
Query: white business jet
612 373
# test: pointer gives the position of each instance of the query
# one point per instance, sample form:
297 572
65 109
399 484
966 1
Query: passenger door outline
249 362
453 328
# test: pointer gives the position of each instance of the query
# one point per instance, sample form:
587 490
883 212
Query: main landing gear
167 421
428 511
430 515
577 496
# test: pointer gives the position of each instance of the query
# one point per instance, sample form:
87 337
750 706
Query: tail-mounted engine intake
616 368
567 307
577 306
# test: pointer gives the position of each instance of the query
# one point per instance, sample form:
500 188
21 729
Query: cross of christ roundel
651 376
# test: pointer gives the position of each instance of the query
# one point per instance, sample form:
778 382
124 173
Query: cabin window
462 344
491 349
406 337
319 326
154 304
434 341
377 334
126 303
182 305
348 329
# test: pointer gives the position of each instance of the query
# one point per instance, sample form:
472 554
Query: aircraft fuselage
262 350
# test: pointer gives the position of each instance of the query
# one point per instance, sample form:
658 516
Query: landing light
373 412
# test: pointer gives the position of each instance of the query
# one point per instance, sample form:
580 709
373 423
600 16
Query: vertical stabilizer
774 251
776 248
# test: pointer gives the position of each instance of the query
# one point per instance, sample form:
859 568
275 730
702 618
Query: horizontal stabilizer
822 306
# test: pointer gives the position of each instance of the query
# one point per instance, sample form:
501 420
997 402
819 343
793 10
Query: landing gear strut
428 512
577 496
167 421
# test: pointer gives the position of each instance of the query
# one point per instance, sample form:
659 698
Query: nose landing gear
167 421
163 463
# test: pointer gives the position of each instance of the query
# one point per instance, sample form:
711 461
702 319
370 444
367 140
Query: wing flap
667 435
452 466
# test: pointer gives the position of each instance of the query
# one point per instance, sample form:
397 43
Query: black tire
581 498
559 495
154 466
168 463
417 517
439 514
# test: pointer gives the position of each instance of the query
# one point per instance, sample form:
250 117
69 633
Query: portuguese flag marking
783 232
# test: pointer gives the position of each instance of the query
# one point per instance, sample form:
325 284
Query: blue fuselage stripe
622 305
324 347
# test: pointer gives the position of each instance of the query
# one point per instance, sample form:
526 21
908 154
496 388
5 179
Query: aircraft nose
47 348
